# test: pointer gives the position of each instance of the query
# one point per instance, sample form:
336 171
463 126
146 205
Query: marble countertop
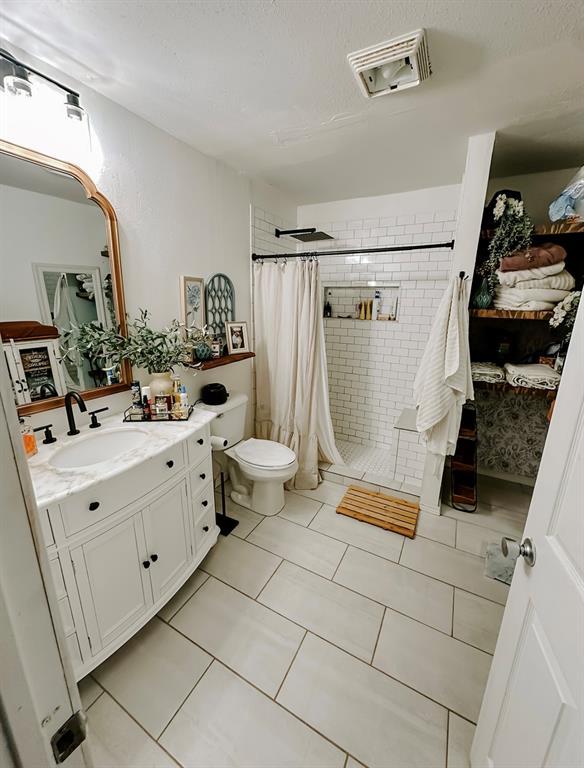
52 485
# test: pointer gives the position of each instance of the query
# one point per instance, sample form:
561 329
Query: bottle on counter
28 437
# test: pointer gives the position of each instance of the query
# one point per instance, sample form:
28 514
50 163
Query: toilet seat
264 454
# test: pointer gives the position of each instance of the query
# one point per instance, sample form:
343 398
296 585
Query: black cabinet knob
204 503
205 528
202 475
154 558
146 564
93 506
170 464
200 441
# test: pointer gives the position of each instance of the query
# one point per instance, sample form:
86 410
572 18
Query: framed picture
237 339
193 301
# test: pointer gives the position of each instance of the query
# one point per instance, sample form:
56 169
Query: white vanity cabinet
118 553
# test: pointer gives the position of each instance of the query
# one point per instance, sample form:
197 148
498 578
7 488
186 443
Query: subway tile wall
372 365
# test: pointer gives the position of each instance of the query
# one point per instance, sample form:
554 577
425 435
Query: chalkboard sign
38 371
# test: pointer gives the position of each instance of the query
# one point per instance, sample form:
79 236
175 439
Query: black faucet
69 410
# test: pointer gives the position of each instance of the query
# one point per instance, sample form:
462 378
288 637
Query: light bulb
17 82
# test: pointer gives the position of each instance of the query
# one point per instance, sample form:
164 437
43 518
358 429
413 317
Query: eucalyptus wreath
514 232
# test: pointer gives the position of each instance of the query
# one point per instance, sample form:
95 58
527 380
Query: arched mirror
60 281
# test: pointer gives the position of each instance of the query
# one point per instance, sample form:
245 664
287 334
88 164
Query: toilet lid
265 453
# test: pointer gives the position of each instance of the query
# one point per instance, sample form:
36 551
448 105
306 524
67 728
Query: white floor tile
439 666
302 546
187 590
363 535
509 522
477 621
348 620
89 691
152 674
475 538
374 718
226 722
397 587
246 636
460 736
326 493
501 493
437 527
116 741
240 564
247 518
452 566
299 509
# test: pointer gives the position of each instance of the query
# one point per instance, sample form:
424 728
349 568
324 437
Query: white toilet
257 469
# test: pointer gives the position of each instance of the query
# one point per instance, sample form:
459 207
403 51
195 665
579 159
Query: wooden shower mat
389 512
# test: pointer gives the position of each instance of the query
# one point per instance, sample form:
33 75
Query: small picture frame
237 338
192 292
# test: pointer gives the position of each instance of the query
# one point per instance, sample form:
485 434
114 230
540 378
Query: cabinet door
112 579
168 539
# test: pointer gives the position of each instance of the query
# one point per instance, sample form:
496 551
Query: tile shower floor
378 460
311 639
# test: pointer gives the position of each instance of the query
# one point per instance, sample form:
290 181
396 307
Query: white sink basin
99 447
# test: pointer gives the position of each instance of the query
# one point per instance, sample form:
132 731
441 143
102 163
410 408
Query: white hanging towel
443 382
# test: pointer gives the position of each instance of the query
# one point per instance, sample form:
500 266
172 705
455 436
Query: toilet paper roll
218 443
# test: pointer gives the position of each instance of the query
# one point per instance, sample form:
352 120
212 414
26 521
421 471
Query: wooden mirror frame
111 222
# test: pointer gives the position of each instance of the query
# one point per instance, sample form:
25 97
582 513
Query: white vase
160 384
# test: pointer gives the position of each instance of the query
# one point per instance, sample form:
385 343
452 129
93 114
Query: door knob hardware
93 506
205 528
200 441
170 464
202 475
146 564
154 558
204 503
526 549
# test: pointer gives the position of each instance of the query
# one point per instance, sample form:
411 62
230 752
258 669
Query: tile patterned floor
312 640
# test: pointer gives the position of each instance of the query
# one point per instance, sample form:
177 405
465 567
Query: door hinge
69 736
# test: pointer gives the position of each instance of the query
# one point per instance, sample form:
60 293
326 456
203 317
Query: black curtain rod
388 249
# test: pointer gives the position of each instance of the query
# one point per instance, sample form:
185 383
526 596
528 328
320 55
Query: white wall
372 365
38 228
179 211
537 190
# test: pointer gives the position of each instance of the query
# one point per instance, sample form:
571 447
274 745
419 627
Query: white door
38 695
112 575
168 539
533 710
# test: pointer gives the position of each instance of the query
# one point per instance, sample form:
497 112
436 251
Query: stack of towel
490 372
534 375
533 279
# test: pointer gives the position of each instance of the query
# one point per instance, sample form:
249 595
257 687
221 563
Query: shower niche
373 302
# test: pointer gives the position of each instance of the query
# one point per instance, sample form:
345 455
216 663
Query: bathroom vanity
127 514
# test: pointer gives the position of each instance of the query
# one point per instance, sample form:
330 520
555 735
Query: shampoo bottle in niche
376 303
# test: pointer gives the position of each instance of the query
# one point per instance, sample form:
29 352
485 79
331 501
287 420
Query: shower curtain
292 404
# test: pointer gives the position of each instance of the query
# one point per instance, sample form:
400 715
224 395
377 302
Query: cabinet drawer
203 502
201 475
199 445
89 507
204 527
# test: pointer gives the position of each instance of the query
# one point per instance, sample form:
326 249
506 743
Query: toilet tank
230 421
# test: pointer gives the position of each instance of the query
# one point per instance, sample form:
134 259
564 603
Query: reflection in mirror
55 282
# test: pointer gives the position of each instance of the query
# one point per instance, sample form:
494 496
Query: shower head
306 235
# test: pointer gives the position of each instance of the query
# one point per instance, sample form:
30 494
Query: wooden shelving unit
217 362
504 386
511 314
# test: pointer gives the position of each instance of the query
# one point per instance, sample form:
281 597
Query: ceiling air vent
392 66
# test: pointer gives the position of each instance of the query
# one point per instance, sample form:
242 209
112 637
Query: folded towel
487 372
564 282
515 298
536 256
532 305
513 279
534 375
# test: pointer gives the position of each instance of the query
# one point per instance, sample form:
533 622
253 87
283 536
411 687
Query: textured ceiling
265 86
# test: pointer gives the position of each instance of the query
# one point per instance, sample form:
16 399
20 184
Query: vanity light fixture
15 79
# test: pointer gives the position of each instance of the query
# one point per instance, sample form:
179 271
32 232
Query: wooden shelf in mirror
512 314
217 362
